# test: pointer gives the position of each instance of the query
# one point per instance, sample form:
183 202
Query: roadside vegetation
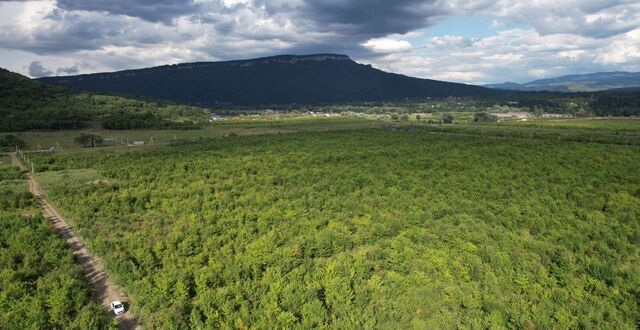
367 228
41 286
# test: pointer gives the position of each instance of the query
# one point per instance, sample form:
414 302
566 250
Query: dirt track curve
104 290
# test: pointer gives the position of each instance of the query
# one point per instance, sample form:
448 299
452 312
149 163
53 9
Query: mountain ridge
588 82
288 59
281 79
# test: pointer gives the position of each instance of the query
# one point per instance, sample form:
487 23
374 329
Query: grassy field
609 130
64 139
604 124
602 131
367 228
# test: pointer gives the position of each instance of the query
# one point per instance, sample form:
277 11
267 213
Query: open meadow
363 228
249 126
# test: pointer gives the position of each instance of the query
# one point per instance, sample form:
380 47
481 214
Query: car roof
116 302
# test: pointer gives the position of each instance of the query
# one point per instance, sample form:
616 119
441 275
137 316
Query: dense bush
366 229
10 173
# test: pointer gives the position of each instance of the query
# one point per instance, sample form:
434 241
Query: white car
117 307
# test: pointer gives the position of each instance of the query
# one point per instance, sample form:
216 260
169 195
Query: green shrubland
363 229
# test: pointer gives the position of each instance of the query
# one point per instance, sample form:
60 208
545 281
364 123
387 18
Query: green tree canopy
484 117
88 139
448 118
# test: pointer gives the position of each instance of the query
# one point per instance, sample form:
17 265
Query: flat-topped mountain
284 79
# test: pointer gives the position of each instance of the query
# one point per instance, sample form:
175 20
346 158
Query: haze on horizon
472 42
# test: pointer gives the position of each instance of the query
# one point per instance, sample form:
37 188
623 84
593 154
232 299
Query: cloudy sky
472 41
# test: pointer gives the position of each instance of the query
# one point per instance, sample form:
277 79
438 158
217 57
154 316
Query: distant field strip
580 135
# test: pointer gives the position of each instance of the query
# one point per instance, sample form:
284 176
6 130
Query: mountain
284 79
26 104
577 83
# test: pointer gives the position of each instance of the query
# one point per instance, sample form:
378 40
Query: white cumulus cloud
387 45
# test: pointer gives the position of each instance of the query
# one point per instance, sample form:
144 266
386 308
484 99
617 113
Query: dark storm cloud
69 70
37 70
121 34
372 18
149 10
67 32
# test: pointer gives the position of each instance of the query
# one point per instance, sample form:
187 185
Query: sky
469 41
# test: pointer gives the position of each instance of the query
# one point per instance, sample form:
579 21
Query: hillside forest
26 104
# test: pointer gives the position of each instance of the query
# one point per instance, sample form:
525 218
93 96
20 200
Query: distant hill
590 82
27 104
285 79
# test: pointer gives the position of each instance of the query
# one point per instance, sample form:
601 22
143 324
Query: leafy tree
484 117
538 112
10 141
88 139
448 118
583 113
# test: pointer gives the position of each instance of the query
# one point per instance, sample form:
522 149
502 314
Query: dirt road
104 290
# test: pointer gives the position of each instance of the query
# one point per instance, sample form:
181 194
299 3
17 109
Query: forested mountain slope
286 79
28 104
